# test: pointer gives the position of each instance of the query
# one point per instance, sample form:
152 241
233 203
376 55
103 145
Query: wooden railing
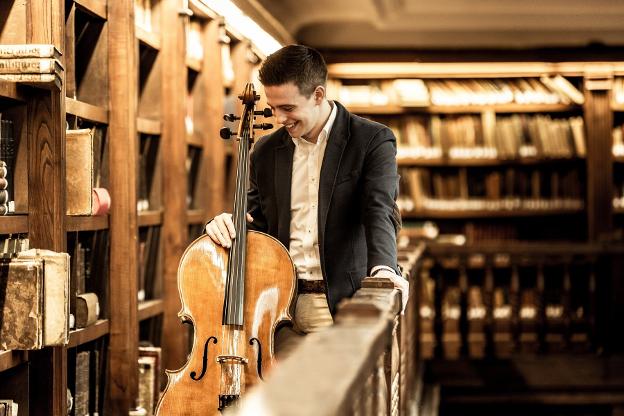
365 364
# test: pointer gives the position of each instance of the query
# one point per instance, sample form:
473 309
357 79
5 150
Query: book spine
28 51
27 65
28 77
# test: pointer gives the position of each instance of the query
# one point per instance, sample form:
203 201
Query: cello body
226 359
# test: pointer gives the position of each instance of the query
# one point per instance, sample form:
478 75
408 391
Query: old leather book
21 304
79 168
86 309
56 294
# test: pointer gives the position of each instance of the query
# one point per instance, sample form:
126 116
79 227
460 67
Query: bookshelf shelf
14 224
618 159
194 140
150 218
460 109
469 213
88 334
618 211
91 223
10 359
196 216
421 162
12 90
618 107
149 126
96 8
86 111
149 39
193 64
150 308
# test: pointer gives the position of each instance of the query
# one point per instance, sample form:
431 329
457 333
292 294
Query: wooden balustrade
365 364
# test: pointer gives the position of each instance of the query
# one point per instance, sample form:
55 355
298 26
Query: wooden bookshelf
150 308
13 91
149 39
484 162
96 8
619 107
14 224
149 126
150 218
196 216
10 359
91 223
88 334
86 111
485 213
463 109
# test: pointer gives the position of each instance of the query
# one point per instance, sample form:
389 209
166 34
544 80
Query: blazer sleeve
254 207
379 200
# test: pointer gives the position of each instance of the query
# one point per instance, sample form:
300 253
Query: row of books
143 14
193 162
149 377
488 136
520 315
8 153
45 294
458 92
510 188
32 63
149 176
150 275
88 380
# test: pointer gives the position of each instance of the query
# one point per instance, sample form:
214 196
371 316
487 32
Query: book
21 302
30 66
87 309
8 408
81 393
56 293
147 380
29 50
79 168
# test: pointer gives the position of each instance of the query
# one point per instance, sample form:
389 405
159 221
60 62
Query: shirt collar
324 134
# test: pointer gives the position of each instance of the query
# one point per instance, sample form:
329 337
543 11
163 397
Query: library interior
504 126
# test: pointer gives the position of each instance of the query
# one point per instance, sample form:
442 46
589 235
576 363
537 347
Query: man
324 184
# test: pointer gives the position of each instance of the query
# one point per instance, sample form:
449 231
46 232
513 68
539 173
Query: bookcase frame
108 91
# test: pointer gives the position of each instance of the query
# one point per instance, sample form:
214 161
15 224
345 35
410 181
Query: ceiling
431 24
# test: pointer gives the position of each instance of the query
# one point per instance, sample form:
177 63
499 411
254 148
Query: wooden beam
123 348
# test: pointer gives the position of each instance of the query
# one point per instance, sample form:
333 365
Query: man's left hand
399 283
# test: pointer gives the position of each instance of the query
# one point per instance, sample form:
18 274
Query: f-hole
204 360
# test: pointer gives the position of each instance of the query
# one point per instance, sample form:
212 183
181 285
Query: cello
235 299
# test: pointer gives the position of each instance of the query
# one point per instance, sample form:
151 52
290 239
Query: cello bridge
231 359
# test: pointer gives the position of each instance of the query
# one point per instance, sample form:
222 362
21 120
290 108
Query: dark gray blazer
357 190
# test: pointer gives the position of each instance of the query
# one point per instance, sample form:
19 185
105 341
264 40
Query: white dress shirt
312 311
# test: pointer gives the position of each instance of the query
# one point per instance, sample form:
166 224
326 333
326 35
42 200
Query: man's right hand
221 229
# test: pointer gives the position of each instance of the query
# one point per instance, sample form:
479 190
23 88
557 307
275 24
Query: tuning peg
264 113
225 133
230 117
263 126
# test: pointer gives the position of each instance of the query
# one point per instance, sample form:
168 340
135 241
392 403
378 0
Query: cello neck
235 289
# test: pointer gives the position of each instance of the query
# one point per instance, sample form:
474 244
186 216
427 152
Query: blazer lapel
331 162
283 179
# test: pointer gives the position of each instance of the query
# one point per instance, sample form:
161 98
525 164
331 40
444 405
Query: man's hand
221 229
399 283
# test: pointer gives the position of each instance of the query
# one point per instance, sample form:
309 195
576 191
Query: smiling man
325 185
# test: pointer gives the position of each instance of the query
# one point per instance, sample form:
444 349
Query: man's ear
319 94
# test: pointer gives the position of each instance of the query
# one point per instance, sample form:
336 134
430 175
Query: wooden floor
530 385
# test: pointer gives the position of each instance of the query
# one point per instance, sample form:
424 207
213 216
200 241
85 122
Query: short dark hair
301 65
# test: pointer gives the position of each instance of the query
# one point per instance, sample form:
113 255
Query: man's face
300 115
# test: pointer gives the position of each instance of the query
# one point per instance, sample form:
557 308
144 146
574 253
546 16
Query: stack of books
30 63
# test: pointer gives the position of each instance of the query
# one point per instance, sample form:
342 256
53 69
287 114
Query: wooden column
598 125
46 190
214 147
123 367
174 150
